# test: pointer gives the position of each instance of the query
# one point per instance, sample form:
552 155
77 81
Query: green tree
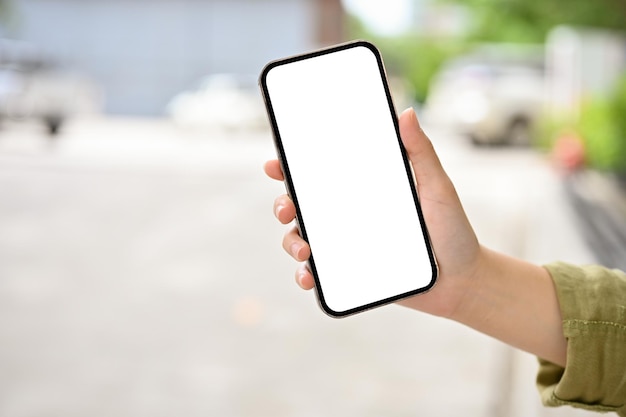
531 20
602 126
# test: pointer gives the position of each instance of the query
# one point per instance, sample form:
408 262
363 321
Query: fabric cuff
592 300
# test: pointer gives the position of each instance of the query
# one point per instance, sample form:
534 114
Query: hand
507 298
455 245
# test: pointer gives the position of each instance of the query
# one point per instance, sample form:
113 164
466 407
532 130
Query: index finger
273 170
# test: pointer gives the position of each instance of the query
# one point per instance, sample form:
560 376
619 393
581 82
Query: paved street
141 274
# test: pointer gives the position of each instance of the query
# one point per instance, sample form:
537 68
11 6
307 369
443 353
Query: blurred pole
331 27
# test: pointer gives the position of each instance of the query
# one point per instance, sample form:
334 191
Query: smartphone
337 138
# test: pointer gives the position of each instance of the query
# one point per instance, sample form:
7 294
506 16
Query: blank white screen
349 178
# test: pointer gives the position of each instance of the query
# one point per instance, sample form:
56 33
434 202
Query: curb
599 201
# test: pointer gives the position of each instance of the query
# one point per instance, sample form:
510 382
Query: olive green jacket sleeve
593 307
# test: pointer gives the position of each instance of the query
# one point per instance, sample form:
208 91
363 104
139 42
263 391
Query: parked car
494 95
221 101
32 87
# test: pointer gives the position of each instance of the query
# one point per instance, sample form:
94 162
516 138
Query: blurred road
141 274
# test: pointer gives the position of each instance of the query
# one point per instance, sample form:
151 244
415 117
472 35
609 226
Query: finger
273 170
295 246
284 209
420 150
304 278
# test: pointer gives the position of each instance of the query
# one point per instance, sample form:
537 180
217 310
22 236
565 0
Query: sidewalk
142 270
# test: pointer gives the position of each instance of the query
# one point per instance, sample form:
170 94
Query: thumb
426 165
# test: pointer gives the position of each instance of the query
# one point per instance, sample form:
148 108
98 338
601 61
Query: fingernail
295 249
279 208
300 276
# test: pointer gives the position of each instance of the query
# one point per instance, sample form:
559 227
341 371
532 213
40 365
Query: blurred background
141 272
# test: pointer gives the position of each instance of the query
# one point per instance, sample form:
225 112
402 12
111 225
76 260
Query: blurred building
143 52
582 63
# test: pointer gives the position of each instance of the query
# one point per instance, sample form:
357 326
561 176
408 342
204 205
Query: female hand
454 242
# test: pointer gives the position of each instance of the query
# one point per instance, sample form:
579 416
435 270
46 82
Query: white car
222 102
33 88
494 96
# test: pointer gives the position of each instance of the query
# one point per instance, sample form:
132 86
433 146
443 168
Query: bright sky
389 17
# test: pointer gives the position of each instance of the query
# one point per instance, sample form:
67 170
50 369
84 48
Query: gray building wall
143 52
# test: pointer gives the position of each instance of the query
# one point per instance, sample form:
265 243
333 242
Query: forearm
516 302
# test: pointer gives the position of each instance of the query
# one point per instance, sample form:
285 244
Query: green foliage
417 59
619 107
531 20
601 127
548 129
604 146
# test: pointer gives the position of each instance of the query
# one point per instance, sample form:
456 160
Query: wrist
515 302
452 294
469 286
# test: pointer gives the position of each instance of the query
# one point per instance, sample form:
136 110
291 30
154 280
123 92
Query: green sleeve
593 306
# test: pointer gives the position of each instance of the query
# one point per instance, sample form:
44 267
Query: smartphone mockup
337 138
